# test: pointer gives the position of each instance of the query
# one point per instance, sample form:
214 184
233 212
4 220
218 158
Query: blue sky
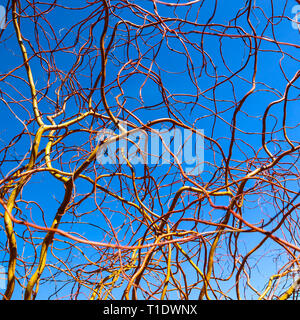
195 107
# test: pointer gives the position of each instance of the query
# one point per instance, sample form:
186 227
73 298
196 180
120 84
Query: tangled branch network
150 150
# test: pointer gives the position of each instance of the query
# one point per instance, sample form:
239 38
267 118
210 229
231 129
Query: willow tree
149 150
